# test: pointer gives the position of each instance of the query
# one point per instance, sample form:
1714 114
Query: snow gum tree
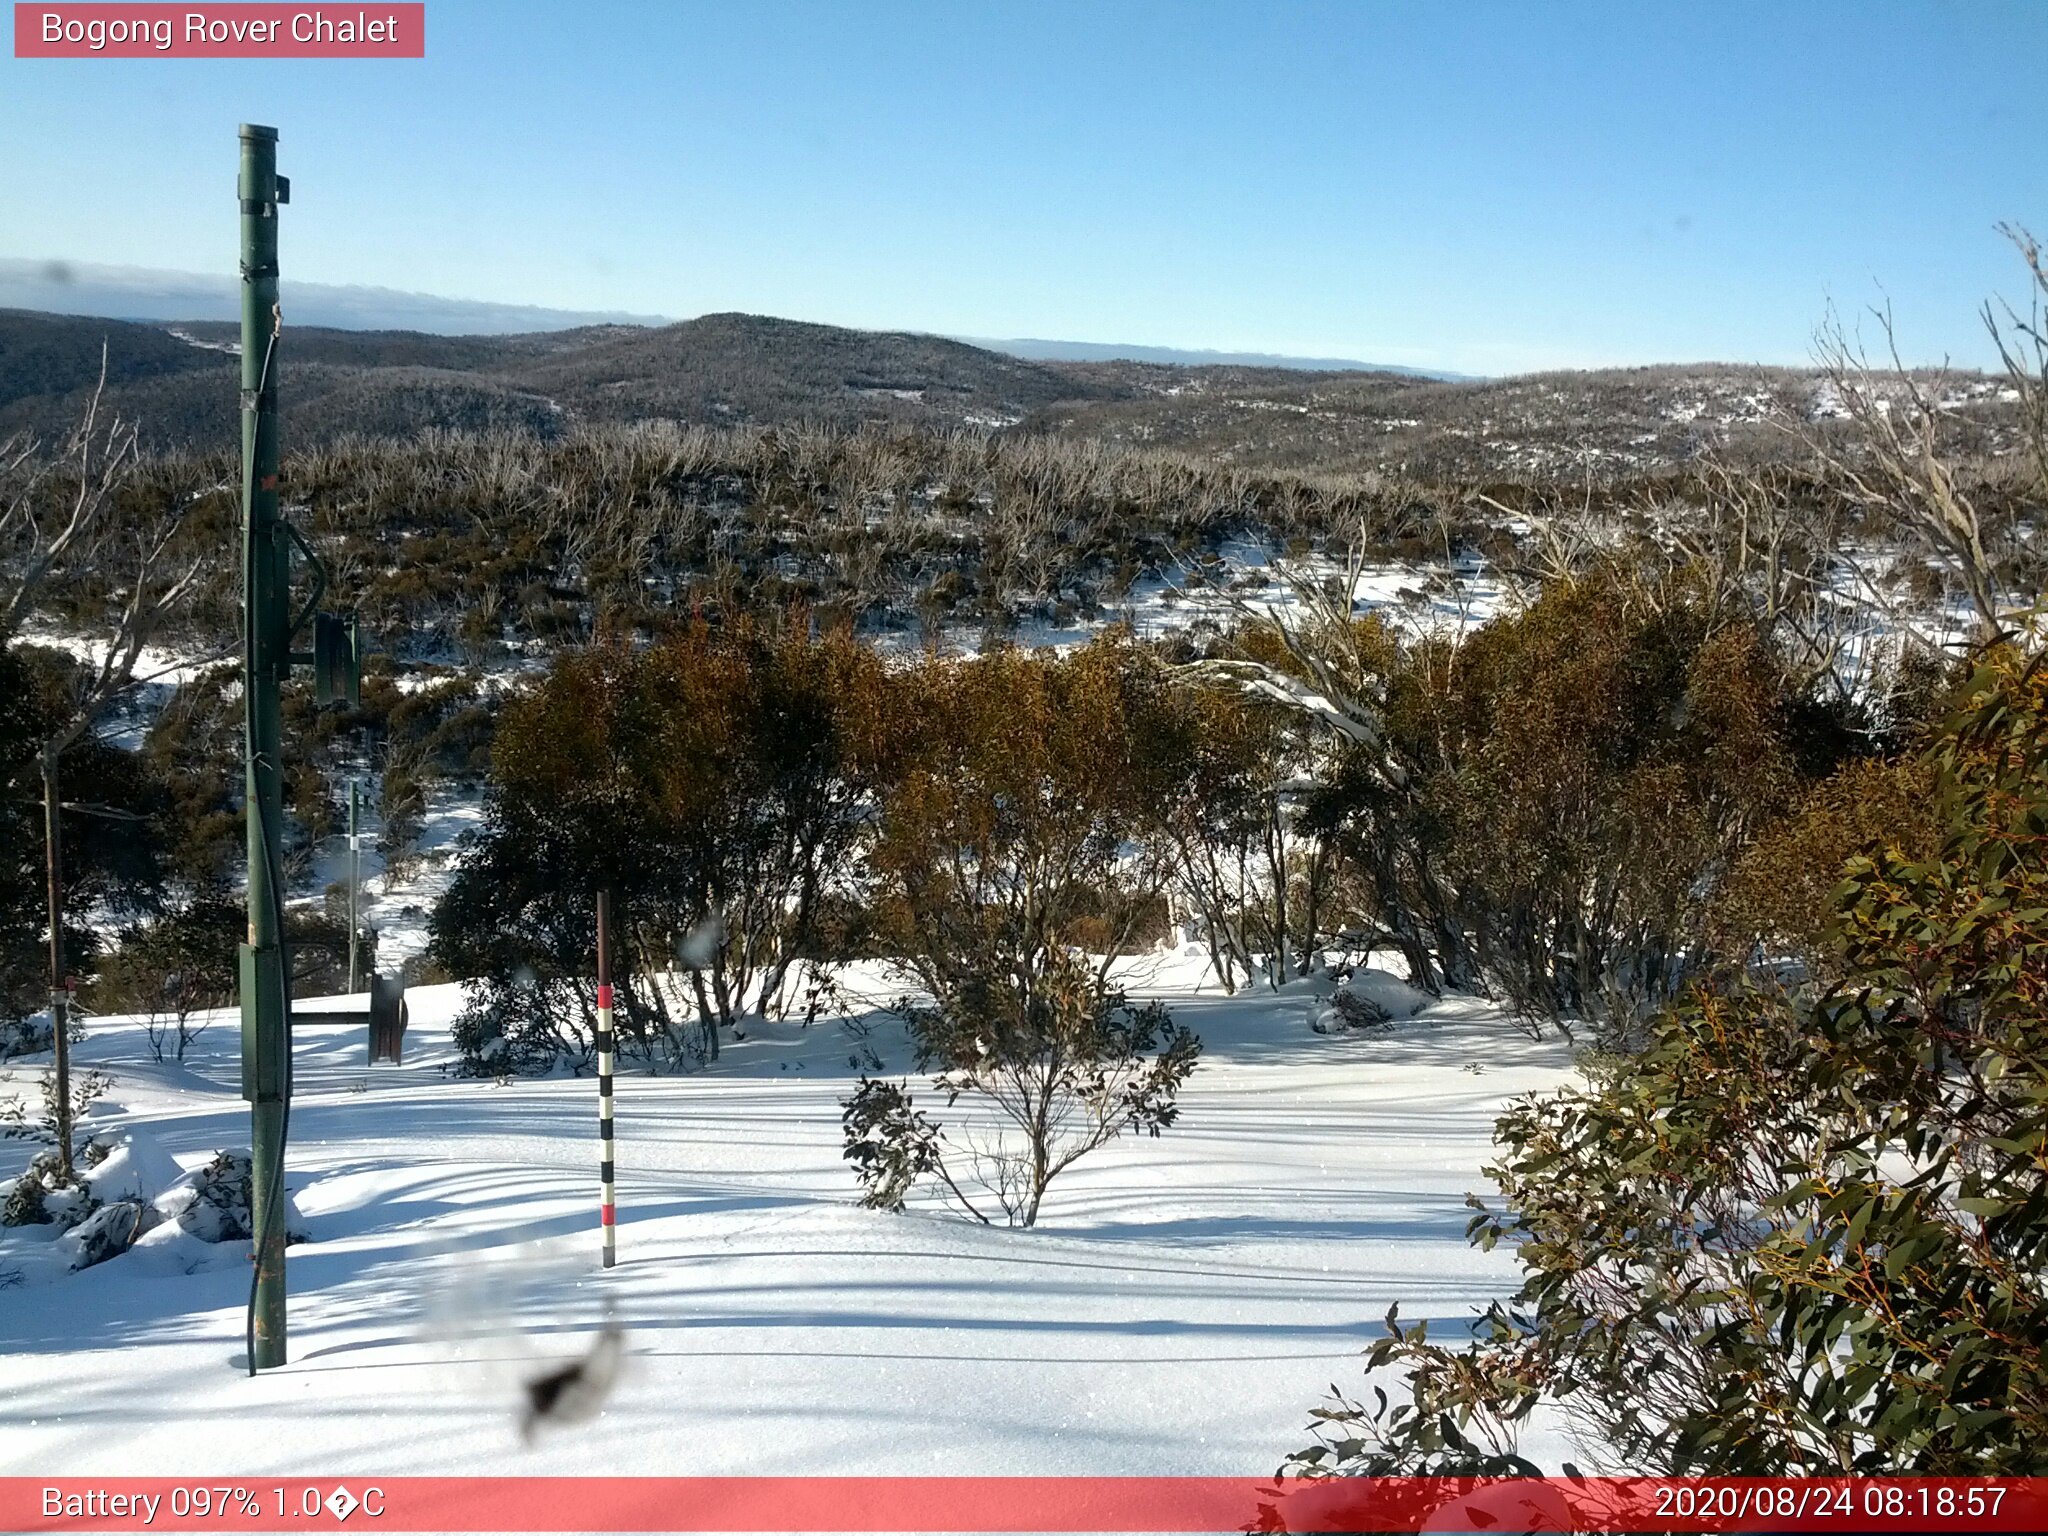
1544 807
1024 818
1019 851
78 535
1594 762
112 828
718 784
1239 859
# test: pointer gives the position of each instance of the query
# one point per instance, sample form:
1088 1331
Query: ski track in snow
1181 1306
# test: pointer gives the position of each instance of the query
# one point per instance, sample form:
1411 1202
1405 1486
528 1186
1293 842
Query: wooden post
608 1215
355 880
60 984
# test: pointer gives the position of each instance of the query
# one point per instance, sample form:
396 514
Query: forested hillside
177 384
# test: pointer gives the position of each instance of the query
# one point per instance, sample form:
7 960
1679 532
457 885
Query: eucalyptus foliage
1793 1234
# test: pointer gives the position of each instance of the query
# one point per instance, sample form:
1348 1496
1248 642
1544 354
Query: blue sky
1481 187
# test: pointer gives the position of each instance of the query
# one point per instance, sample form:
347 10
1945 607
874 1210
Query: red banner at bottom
1031 1504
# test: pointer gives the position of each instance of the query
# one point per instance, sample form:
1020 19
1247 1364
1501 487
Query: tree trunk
60 1021
707 1014
1276 869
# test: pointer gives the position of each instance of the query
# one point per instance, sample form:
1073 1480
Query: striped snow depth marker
608 1211
608 1214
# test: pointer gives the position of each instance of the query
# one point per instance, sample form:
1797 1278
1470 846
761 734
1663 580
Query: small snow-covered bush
213 1205
129 1173
26 1037
218 1210
44 1193
1348 1013
28 1201
130 1166
109 1232
521 1026
1369 999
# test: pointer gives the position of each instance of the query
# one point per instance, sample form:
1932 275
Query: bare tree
1897 465
1736 541
1056 1075
60 527
1329 675
2022 344
1331 672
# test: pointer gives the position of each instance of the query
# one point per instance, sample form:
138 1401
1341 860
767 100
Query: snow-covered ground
1182 1304
397 904
1247 578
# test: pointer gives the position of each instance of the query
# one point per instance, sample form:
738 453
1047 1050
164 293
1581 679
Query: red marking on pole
267 483
608 1216
604 994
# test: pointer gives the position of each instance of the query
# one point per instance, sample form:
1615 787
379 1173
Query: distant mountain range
1120 352
177 377
148 293
178 381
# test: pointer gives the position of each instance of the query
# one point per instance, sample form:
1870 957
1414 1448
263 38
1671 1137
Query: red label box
372 30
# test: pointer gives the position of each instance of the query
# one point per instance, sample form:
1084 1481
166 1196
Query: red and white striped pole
608 1213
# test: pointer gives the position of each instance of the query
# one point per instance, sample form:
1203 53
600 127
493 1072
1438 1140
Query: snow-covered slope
1181 1305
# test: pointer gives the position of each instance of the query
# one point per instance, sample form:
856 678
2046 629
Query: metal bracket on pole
319 578
337 660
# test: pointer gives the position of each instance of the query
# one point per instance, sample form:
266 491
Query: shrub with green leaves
718 784
1795 1235
177 968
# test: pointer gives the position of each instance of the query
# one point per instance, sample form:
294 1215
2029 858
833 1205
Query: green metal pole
266 656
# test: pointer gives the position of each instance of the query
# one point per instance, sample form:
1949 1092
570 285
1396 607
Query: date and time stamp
1848 1504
